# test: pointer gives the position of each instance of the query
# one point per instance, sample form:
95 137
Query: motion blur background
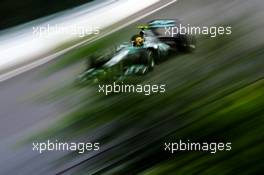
213 95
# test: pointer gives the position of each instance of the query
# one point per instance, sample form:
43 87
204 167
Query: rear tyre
186 43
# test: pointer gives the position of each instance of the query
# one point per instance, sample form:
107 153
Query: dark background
13 12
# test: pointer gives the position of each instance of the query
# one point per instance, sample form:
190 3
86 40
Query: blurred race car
138 56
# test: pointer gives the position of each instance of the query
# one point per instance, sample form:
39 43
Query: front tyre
150 62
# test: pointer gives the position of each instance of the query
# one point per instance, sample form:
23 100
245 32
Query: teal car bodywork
129 59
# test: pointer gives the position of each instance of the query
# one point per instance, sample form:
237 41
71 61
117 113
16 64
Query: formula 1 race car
140 55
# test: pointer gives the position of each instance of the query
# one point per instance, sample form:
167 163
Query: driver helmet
139 41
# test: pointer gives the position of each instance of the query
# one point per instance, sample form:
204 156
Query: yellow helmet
139 40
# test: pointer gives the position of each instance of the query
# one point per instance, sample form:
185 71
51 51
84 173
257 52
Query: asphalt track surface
22 112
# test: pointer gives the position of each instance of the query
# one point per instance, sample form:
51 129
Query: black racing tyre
96 61
91 62
150 62
186 43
